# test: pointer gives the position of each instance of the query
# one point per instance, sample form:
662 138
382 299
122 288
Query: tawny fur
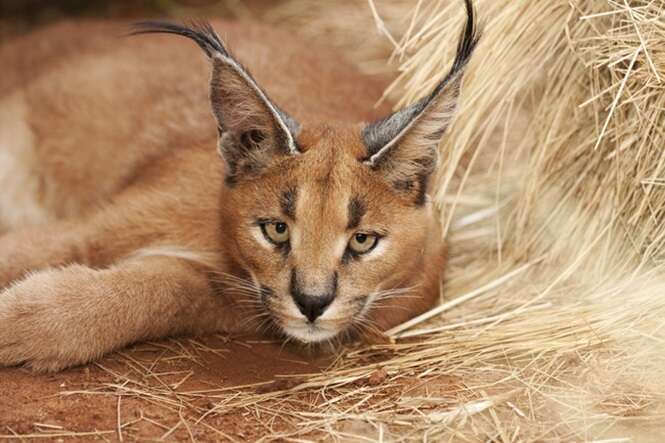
122 225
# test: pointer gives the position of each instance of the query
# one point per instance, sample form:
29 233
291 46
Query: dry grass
555 161
553 187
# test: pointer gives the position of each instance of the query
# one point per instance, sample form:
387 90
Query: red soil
33 404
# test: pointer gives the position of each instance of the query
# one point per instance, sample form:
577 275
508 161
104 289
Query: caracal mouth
309 333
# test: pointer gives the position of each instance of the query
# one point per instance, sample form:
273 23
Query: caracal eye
276 232
362 243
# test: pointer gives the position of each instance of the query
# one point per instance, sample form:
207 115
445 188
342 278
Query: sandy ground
83 403
195 389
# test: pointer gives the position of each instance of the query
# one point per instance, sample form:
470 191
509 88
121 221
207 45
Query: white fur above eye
340 245
378 250
257 233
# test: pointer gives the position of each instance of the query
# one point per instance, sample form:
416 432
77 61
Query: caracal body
120 221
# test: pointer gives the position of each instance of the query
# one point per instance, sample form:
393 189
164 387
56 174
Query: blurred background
331 22
17 16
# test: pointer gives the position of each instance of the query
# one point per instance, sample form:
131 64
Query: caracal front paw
42 326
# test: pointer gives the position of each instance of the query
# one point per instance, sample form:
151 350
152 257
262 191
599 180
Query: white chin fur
310 334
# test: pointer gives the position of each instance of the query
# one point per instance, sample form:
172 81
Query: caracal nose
312 306
313 299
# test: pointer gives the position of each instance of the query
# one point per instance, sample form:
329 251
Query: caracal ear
404 145
252 129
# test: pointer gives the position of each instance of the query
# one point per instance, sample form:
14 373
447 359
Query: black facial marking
294 287
285 249
231 180
356 211
421 196
288 202
335 283
403 185
346 257
266 293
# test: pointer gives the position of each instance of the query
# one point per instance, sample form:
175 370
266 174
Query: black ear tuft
200 32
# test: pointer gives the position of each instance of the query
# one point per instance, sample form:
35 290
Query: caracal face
324 239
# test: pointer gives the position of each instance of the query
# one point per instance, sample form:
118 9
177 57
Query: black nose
312 306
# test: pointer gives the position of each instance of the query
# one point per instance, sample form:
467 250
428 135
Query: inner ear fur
252 129
410 157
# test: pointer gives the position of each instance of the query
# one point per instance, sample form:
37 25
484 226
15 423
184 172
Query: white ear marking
260 238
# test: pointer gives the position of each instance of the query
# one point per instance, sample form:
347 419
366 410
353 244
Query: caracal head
323 223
